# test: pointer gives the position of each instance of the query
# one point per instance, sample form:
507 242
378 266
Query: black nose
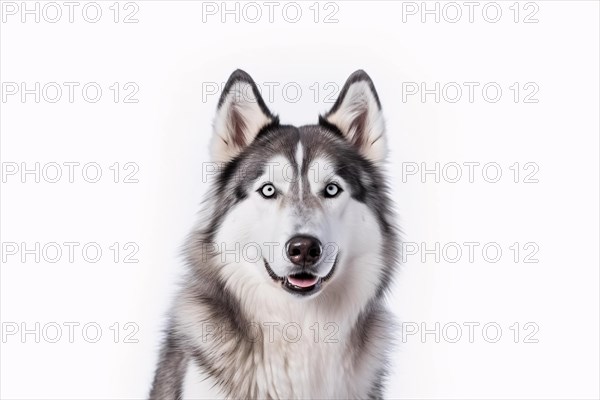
303 250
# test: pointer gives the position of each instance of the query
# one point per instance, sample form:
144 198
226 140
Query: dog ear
241 114
357 114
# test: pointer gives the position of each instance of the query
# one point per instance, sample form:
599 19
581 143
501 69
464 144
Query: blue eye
268 191
332 190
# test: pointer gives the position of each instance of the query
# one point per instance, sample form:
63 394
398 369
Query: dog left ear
357 114
241 114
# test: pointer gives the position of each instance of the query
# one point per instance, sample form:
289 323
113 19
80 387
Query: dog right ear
357 114
241 114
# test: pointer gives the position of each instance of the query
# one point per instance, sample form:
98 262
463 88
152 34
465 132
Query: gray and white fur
290 263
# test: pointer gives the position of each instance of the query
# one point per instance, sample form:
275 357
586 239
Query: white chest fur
287 364
292 350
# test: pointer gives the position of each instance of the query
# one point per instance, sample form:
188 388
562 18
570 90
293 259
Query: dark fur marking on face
320 141
253 162
230 168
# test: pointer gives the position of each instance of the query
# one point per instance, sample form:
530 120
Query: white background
170 53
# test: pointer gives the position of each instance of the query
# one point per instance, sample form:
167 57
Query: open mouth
303 282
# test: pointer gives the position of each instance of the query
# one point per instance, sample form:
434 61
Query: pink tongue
303 283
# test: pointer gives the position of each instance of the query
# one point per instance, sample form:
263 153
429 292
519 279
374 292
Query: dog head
303 209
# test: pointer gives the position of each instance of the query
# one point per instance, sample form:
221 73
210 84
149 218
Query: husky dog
291 262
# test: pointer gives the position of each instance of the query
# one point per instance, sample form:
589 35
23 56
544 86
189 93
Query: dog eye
332 190
268 191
